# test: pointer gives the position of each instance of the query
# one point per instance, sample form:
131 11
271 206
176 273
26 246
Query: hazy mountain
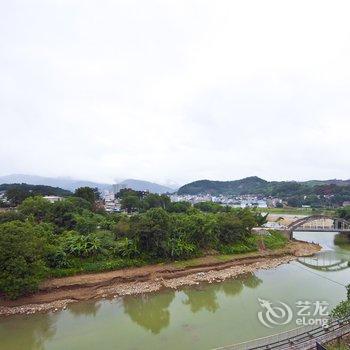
72 184
256 185
140 185
65 183
328 182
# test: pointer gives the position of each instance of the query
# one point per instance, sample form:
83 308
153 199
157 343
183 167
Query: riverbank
55 294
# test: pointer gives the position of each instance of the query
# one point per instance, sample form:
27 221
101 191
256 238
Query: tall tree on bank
89 194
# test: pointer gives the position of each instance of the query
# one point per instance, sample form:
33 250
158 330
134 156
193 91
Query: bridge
303 338
318 223
327 262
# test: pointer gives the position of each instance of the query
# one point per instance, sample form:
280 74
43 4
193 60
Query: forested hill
16 193
244 186
256 185
39 190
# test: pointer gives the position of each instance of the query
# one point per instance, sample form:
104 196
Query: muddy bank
55 294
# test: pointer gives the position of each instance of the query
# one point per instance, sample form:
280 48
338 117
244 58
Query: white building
53 199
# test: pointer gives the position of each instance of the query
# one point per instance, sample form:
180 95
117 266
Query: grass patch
188 263
96 266
298 211
273 240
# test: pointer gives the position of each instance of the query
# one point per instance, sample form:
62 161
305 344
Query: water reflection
149 311
89 308
28 335
251 281
342 241
204 297
233 287
328 260
201 299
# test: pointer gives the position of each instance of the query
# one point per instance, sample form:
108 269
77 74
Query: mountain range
255 185
141 185
72 184
249 185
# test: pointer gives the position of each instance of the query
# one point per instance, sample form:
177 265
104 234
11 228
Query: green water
204 317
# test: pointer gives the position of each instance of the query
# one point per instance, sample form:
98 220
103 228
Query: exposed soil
55 294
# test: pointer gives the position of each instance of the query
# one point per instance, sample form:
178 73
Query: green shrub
275 240
56 258
237 248
178 248
21 258
341 310
126 248
81 245
96 266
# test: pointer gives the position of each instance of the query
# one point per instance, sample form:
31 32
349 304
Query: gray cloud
176 90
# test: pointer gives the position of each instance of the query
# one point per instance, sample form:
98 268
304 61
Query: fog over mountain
72 184
65 183
140 185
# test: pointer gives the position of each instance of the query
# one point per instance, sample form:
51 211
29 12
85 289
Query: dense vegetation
42 239
343 213
314 193
17 193
343 308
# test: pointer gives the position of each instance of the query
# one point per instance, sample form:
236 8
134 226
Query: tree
89 194
122 228
199 228
178 207
231 229
344 213
151 230
295 201
130 203
85 222
37 206
11 215
62 213
250 219
22 247
209 207
153 200
16 195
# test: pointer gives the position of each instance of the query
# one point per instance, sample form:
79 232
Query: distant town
235 194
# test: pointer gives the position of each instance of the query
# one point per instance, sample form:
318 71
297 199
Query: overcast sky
175 90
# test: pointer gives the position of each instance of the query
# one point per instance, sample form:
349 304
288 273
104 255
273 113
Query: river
201 317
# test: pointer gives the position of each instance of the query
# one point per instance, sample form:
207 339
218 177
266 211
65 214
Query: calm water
204 317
